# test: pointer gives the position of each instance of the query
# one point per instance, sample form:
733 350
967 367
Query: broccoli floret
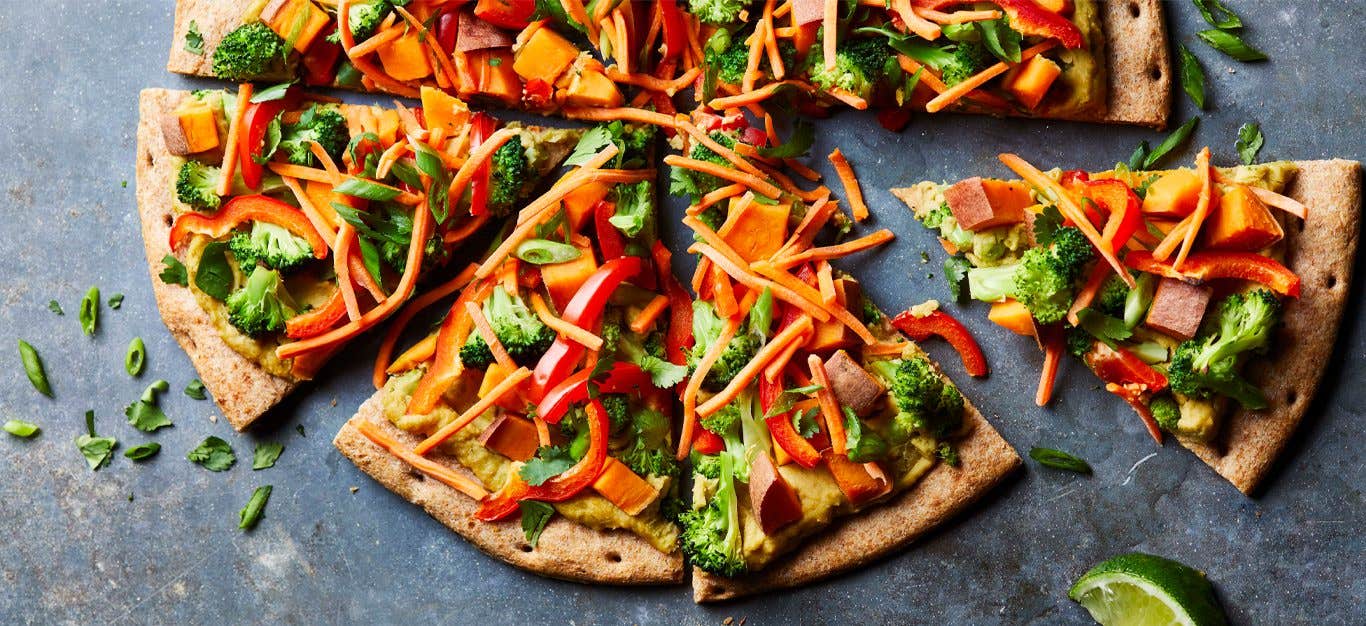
707 329
522 334
1165 412
969 57
1079 342
713 216
259 306
859 65
706 465
1221 378
711 536
719 12
706 182
871 314
1113 294
270 245
647 452
1045 277
618 409
1208 364
924 400
509 177
196 184
731 64
250 51
325 125
364 18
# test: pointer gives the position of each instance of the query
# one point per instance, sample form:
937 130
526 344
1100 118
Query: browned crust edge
566 550
242 390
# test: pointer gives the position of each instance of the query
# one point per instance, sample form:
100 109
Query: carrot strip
704 366
886 349
1174 237
1052 355
955 92
723 193
648 315
420 303
849 98
927 76
723 293
756 52
802 170
483 404
387 159
756 96
956 17
421 351
623 114
342 253
851 186
301 172
441 473
730 155
813 297
1201 207
830 408
753 182
801 238
325 159
758 284
230 149
714 239
559 325
825 279
761 359
478 157
830 20
376 41
772 370
1094 281
485 330
1284 203
775 60
836 251
320 223
927 30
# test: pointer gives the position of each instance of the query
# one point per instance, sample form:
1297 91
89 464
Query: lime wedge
1145 590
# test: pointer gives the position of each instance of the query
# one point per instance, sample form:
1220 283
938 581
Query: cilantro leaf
115 301
214 274
663 374
1250 141
55 307
591 143
174 273
956 271
266 454
1046 223
550 461
214 454
96 450
196 390
535 515
194 40
804 422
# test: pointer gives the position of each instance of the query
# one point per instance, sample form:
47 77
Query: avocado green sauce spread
259 350
1082 86
493 469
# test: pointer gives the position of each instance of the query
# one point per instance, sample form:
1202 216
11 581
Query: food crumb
213 418
334 402
728 621
354 489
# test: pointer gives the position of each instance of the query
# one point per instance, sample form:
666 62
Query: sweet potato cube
495 373
853 386
1174 195
190 129
405 58
496 78
578 205
1241 221
442 110
591 88
1013 316
979 203
511 436
300 18
860 482
832 334
545 55
774 501
624 488
757 232
562 280
1031 83
1177 308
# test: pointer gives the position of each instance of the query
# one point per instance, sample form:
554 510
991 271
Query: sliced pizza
1206 298
279 225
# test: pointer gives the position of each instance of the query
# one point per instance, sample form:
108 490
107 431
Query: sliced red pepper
1072 178
482 126
538 93
320 61
622 378
787 437
707 442
251 139
319 320
894 119
678 340
510 14
944 325
503 503
1144 412
674 29
583 310
446 365
1206 266
1025 16
1123 205
753 136
1122 367
610 240
241 210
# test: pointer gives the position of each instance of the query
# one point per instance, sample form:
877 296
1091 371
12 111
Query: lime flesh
1145 590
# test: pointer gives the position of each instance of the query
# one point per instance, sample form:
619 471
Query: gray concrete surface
157 542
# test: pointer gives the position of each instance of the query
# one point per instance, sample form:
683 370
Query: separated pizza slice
1207 298
279 225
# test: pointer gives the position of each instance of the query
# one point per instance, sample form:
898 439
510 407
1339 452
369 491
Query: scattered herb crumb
55 307
214 454
265 455
300 429
1249 143
33 367
196 390
116 301
20 428
194 44
256 506
355 489
96 450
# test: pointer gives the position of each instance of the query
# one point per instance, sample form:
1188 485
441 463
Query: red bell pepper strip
1073 178
675 30
610 240
251 140
244 209
787 437
894 119
509 14
678 340
1121 203
583 310
503 503
319 320
944 325
1122 367
320 61
1144 412
1026 16
707 442
1206 266
482 126
622 378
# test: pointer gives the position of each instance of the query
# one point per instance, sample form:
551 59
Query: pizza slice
278 225
820 438
545 394
1207 298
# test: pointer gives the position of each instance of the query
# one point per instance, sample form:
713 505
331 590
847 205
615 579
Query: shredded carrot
367 70
830 408
230 148
1284 203
694 385
756 52
420 303
387 159
730 155
301 172
323 157
787 185
851 186
762 358
773 369
1174 237
957 17
849 98
758 283
886 349
342 252
714 239
647 316
542 431
756 96
377 41
957 91
802 170
1202 206
485 403
485 330
699 277
836 251
830 20
813 296
478 157
723 193
650 83
559 325
575 10
927 30
725 173
1088 292
623 114
1052 355
775 60
412 357
442 57
1068 207
320 223
445 475
927 77
723 293
825 279
814 220
470 227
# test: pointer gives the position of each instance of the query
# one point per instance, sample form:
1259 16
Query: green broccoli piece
1221 378
196 185
707 183
250 51
1079 342
719 12
969 57
509 178
713 216
1113 294
325 125
1208 364
731 64
634 142
364 19
1165 412
711 537
705 465
259 306
707 329
270 245
859 65
870 313
1045 277
647 452
522 334
923 399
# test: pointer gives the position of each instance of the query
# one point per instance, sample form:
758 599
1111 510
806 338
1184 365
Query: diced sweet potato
562 280
833 334
442 110
1241 221
190 129
405 58
1013 316
624 488
1177 308
853 386
757 232
511 436
1031 83
860 482
578 205
979 203
545 55
807 11
496 78
592 88
1173 195
300 18
494 374
774 501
